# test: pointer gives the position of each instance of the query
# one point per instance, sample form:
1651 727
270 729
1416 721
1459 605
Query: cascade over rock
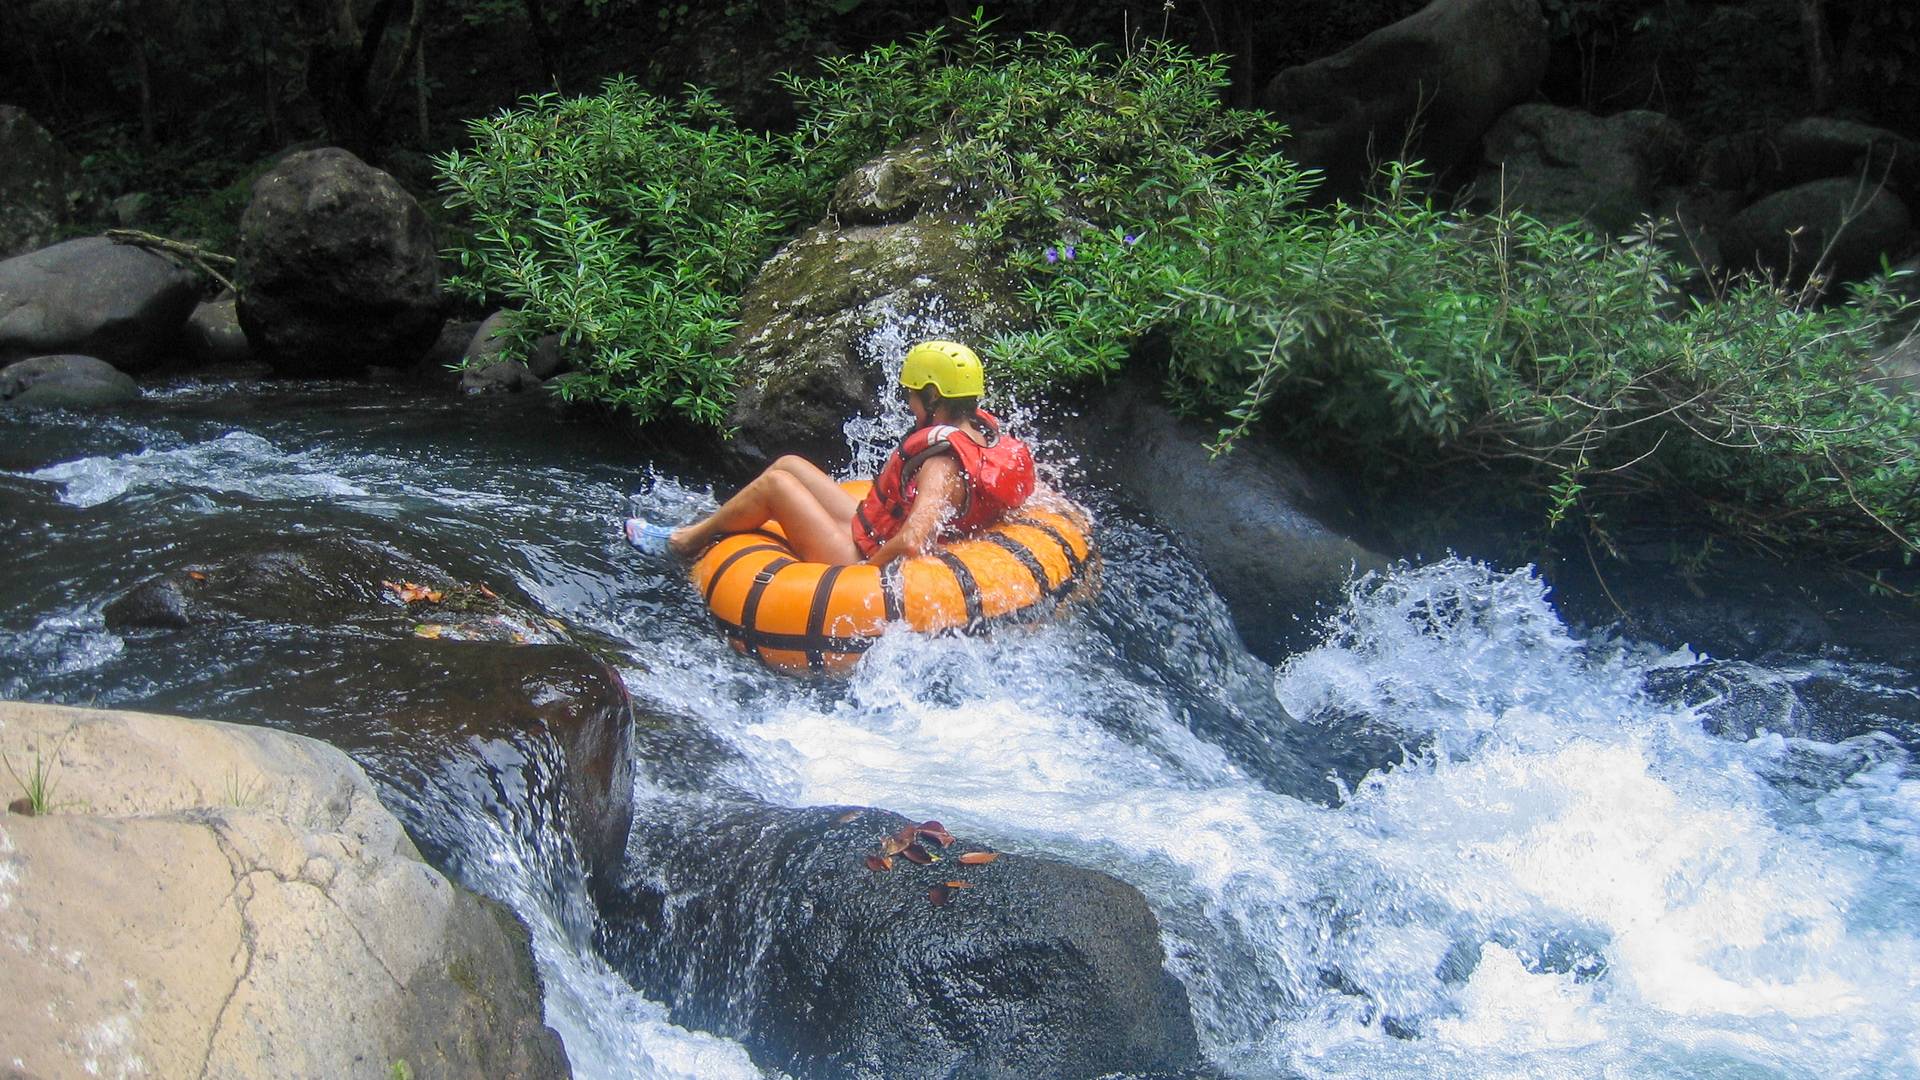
206 899
890 250
338 268
1435 81
765 924
119 303
431 681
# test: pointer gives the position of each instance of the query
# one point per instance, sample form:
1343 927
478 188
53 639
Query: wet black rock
464 691
766 925
1272 533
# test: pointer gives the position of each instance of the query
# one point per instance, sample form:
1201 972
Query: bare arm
939 489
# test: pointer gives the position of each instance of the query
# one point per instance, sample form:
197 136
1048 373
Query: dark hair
967 408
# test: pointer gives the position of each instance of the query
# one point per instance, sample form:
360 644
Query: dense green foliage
1048 136
1136 207
628 225
1418 337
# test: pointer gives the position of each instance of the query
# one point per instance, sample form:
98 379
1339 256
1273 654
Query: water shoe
647 537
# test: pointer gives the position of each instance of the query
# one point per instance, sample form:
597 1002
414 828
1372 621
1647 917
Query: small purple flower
1052 256
1067 253
1130 239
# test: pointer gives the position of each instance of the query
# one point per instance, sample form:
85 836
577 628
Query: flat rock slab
204 899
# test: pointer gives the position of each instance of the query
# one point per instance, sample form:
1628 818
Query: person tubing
999 475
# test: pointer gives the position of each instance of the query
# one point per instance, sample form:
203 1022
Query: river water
1455 839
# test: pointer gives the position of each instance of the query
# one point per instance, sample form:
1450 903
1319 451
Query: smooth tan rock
205 899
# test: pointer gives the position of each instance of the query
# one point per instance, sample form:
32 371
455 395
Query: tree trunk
349 83
1819 44
144 72
420 90
544 42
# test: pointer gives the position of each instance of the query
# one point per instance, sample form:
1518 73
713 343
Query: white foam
1569 871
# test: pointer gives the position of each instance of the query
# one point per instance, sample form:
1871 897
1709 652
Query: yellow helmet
950 367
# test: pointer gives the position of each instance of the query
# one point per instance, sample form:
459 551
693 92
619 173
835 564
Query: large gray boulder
1841 225
91 296
66 382
821 327
39 183
1563 164
205 899
1432 83
766 925
338 268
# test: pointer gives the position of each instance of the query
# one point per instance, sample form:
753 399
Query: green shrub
1421 337
629 225
1050 139
1134 205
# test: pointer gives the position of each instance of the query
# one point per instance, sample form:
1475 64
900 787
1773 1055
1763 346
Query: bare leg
825 489
817 533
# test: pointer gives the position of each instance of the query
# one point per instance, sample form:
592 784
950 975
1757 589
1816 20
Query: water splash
1570 876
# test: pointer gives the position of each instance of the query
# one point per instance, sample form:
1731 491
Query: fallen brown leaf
917 854
879 863
195 575
892 845
958 884
935 832
939 895
976 858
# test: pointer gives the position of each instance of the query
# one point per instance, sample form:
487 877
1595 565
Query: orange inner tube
814 617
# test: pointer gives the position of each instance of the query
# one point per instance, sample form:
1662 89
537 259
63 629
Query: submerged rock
206 899
66 381
766 925
458 683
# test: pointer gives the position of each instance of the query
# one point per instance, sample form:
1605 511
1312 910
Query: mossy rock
825 320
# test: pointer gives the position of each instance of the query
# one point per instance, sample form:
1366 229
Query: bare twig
199 256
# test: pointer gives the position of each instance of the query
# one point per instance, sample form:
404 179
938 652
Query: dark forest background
188 100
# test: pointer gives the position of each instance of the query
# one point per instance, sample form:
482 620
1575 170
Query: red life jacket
997 478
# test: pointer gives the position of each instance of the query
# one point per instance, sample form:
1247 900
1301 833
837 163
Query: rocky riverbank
188 898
